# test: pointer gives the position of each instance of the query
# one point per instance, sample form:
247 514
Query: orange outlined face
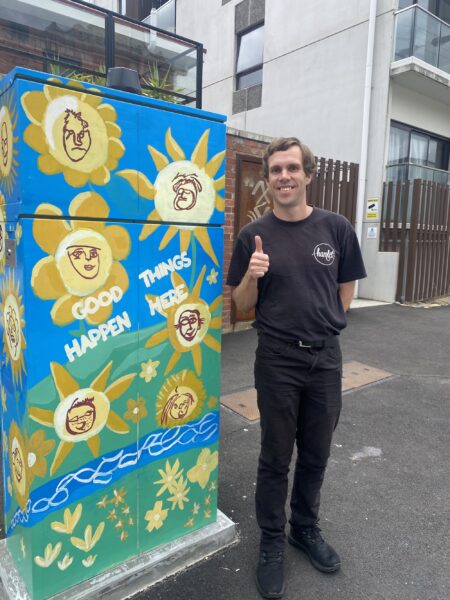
85 260
186 188
4 144
80 417
1 238
189 324
76 136
12 328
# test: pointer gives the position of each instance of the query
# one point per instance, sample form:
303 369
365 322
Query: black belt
313 344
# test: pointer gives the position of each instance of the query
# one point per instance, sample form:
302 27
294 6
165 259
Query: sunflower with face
184 192
188 323
12 310
8 144
27 459
74 133
180 399
83 258
2 234
82 413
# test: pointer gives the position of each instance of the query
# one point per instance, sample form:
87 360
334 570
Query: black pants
299 400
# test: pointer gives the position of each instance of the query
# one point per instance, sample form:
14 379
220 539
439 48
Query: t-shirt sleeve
351 265
239 262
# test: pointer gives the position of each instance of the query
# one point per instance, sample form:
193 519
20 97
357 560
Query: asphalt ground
386 498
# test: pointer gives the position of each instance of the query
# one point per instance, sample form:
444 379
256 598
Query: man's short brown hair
282 144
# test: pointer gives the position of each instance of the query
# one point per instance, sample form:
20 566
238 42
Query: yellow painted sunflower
8 143
27 460
82 260
184 192
3 234
187 324
14 344
74 133
180 399
82 413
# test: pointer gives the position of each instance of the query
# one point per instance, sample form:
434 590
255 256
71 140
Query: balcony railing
423 35
75 39
409 171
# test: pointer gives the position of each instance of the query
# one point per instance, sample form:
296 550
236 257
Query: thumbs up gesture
259 262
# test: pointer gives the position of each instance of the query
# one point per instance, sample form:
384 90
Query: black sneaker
321 554
269 574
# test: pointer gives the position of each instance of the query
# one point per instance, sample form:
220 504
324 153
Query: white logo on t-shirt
324 254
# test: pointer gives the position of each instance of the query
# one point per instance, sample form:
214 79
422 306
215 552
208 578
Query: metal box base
134 575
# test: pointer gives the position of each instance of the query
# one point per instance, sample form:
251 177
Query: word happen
91 304
178 262
90 340
167 299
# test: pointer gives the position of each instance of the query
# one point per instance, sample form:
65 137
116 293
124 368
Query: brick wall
244 144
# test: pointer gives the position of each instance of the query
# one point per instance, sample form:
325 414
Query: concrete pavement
386 498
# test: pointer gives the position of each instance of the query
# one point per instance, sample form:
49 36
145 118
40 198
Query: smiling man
297 266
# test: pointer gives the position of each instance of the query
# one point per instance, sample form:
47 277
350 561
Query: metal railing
409 171
421 34
73 38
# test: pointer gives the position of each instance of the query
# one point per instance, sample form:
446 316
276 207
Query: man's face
287 180
85 260
76 136
189 324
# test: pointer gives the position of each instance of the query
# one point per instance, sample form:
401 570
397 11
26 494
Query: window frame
254 68
431 137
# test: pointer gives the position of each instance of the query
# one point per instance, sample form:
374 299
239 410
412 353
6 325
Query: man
297 266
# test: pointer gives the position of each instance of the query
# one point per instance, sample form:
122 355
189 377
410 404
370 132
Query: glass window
250 58
398 145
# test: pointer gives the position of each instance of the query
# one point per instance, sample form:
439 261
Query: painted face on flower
189 324
76 136
186 188
17 462
12 326
84 260
4 144
179 404
81 416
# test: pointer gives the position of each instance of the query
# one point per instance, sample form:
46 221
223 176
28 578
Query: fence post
412 246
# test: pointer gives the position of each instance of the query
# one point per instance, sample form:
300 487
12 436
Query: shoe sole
314 562
270 594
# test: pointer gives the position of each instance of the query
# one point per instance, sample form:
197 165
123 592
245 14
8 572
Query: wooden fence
416 223
335 187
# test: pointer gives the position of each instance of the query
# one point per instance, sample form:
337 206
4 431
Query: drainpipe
360 200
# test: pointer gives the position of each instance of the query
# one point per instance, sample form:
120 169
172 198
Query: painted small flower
112 515
207 513
206 463
169 477
156 516
195 508
65 562
179 496
89 561
149 370
136 410
119 496
212 486
212 277
190 523
103 502
38 448
123 536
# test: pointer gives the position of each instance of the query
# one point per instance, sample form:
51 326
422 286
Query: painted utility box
111 207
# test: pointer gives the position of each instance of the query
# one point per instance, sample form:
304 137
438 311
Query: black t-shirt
298 298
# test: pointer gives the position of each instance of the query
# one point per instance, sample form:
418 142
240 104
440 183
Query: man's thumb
258 244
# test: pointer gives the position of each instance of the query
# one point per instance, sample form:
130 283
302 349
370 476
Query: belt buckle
302 345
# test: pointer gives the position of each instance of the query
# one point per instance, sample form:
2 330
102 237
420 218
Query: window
440 8
408 145
249 64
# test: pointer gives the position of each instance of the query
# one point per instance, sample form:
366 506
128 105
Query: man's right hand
259 262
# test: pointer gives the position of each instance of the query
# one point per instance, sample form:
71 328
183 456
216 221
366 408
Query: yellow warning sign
372 209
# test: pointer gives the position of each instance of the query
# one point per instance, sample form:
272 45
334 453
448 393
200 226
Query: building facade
365 81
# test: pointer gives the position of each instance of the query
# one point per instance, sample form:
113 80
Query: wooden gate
416 223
